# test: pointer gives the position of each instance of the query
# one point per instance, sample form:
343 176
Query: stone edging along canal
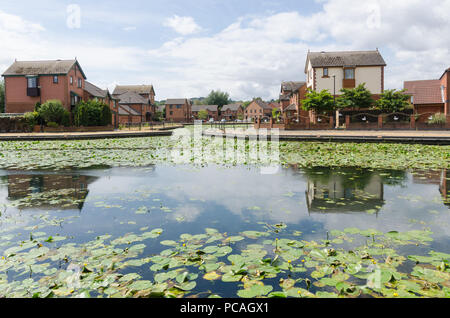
81 136
406 137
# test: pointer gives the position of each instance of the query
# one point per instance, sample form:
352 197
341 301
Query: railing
151 125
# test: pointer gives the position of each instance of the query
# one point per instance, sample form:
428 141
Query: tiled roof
345 58
232 107
176 101
132 98
291 86
211 108
139 89
424 92
54 67
291 107
264 105
94 90
127 110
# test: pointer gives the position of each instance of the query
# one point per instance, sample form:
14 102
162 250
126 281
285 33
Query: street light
334 98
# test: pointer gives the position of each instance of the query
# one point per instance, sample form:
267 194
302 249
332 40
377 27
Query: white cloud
254 53
182 25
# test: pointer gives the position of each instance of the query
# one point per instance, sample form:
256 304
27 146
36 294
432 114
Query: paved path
83 135
398 136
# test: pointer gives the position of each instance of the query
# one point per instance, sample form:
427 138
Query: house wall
373 76
428 110
19 102
254 111
124 119
182 114
445 81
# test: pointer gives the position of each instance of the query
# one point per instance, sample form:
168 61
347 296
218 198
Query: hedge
92 113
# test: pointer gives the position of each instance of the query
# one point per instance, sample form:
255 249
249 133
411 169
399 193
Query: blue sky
186 48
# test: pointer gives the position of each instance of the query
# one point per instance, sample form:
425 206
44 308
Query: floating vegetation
140 152
40 267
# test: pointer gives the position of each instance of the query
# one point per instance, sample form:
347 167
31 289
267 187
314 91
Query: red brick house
258 109
426 96
232 112
31 82
445 89
213 111
291 97
127 115
179 110
146 94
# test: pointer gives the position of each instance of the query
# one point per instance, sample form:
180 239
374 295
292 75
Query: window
171 113
55 79
325 72
80 83
32 82
349 73
170 106
178 106
71 80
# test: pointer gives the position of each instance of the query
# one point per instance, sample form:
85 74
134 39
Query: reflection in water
55 191
437 177
330 191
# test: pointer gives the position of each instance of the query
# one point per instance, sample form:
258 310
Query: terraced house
334 71
141 98
258 109
30 82
291 96
232 112
212 110
179 110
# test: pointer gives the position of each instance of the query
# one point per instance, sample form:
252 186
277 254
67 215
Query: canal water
78 206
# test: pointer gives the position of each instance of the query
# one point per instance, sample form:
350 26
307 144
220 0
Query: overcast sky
186 48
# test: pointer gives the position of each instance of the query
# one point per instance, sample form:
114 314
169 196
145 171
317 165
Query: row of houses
30 82
334 71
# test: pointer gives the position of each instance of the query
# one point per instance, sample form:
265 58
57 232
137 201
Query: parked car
223 120
211 120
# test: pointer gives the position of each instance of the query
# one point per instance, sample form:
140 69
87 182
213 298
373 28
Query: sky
186 48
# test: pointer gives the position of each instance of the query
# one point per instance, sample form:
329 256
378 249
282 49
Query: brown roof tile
424 92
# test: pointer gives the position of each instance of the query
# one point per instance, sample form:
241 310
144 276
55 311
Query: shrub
92 113
439 119
52 111
52 124
31 119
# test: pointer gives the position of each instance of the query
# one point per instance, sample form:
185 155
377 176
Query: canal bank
82 135
406 137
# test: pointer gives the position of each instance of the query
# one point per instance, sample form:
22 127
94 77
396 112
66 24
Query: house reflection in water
344 190
53 191
436 177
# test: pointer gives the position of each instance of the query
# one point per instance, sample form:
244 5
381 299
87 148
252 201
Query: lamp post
334 98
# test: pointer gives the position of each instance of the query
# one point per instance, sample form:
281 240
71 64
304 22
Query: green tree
320 102
217 98
393 101
358 97
275 113
2 97
203 114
